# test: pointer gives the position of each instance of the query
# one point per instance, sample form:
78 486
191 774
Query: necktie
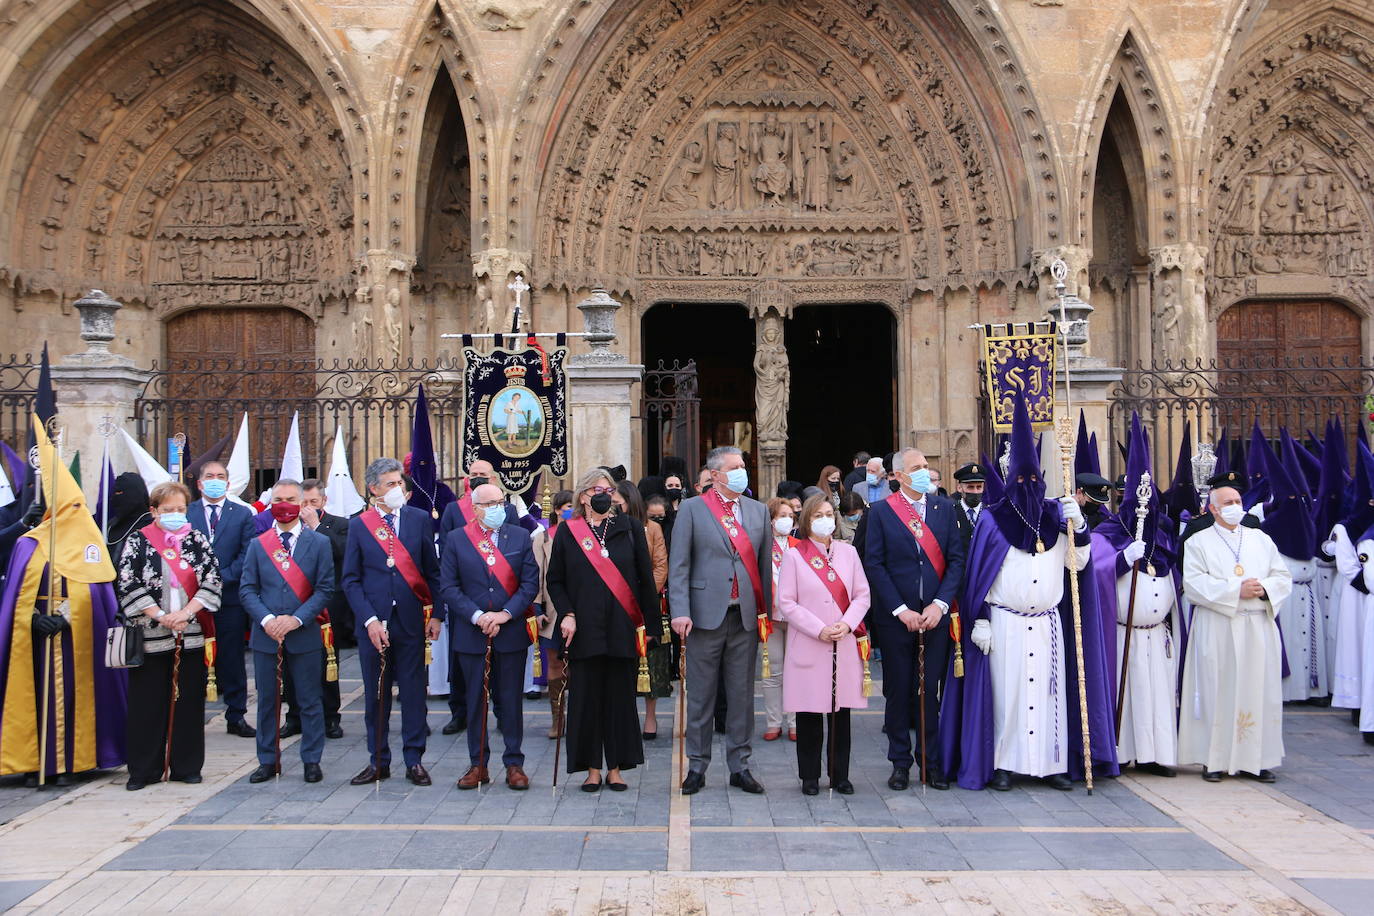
921 509
214 518
286 540
734 582
390 522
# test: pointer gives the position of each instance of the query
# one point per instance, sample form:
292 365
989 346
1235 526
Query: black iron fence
670 408
18 387
1233 395
373 406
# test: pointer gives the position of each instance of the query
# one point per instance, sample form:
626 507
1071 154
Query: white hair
717 456
899 462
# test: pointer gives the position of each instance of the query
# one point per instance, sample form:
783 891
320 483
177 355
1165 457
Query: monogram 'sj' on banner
1020 356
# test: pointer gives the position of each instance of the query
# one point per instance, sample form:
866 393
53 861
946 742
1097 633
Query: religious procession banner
1020 357
515 412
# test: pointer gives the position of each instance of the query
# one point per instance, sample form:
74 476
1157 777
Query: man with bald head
391 578
489 581
1231 715
913 555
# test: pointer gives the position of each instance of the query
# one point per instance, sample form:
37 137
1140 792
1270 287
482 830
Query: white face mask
783 526
823 527
1232 514
395 498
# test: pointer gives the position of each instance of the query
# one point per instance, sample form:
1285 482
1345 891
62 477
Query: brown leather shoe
516 778
370 775
474 777
418 775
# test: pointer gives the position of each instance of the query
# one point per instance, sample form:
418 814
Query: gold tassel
868 680
331 659
429 653
958 660
767 666
538 669
642 684
211 685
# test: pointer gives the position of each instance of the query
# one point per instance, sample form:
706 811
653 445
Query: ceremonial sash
919 530
169 549
739 539
835 585
500 568
620 589
398 556
281 561
466 513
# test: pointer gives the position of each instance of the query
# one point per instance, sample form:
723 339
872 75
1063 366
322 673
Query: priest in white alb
1231 720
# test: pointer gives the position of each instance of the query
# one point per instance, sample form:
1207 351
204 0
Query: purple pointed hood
1020 513
1288 519
1357 506
431 493
1085 457
1182 494
1254 468
1331 488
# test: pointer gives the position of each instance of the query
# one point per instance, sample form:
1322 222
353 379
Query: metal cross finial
1060 271
519 287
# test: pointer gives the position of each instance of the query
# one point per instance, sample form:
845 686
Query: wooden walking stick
52 606
1064 436
681 712
921 699
380 722
834 705
172 708
484 752
560 717
1142 509
281 657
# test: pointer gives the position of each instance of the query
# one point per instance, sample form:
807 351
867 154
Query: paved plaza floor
1137 845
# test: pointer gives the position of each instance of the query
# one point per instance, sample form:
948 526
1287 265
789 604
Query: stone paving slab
1327 765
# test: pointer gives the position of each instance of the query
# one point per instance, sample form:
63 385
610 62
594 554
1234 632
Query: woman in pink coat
823 594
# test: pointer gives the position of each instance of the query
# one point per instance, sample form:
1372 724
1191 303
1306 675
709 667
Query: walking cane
1142 509
560 719
681 712
281 657
381 706
921 699
172 708
484 753
834 705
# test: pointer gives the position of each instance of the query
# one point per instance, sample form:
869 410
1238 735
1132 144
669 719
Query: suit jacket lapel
720 529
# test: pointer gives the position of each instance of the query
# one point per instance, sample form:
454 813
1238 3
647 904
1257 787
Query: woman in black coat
597 633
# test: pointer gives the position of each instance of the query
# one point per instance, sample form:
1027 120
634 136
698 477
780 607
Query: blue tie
286 540
390 522
214 518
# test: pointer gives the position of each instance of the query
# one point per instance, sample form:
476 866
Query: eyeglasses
595 490
488 504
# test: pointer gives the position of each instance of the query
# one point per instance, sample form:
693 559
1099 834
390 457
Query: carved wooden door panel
225 361
1311 330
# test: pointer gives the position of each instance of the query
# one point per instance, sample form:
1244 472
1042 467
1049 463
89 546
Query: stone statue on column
772 390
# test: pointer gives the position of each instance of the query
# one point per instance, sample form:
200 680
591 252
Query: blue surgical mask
920 481
854 519
737 480
566 513
494 516
172 521
871 479
214 488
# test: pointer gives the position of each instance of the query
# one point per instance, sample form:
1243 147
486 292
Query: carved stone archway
201 165
1292 169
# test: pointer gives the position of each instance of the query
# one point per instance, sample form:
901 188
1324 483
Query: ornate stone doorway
843 385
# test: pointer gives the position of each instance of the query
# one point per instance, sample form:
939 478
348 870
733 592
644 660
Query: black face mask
973 499
834 484
475 482
1092 508
657 518
894 485
675 493
601 503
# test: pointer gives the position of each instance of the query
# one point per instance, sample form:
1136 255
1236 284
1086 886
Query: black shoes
242 729
589 786
1211 775
1059 781
133 785
1000 781
290 729
1263 776
617 786
746 781
263 773
333 729
453 726
844 787
1157 769
313 773
811 787
900 779
693 783
193 780
368 774
418 775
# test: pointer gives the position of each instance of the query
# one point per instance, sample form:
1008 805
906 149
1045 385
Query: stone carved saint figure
773 174
1167 314
725 167
679 189
814 172
773 380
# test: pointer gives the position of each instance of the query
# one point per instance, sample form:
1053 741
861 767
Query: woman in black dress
596 556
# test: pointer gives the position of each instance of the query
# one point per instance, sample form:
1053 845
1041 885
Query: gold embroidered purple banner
1019 356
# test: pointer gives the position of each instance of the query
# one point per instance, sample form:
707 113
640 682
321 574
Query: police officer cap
971 473
1233 479
1097 487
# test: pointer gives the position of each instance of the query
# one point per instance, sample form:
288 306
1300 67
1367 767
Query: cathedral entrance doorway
844 385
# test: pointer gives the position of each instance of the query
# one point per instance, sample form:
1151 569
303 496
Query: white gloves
1133 552
1073 512
982 636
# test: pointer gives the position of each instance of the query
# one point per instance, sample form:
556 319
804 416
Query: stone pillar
772 394
600 388
1178 304
96 389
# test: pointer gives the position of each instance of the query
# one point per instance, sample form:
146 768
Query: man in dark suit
914 559
288 578
391 578
335 529
457 514
969 481
490 577
229 526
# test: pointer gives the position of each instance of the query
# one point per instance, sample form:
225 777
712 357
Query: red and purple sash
739 539
829 578
169 549
397 555
483 543
281 561
606 569
919 530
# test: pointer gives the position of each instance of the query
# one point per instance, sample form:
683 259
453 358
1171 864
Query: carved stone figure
725 167
1167 314
679 189
815 168
769 144
772 380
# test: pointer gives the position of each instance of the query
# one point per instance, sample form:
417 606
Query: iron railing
18 389
670 408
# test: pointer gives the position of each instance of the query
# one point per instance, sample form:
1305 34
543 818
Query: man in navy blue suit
288 579
229 526
490 578
391 577
457 514
913 555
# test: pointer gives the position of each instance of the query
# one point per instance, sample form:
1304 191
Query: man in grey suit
719 580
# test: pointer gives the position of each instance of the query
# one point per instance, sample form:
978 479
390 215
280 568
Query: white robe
1304 634
1149 731
1328 584
1352 614
1030 713
1232 704
1366 549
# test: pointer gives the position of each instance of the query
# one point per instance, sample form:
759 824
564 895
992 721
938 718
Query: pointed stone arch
1291 184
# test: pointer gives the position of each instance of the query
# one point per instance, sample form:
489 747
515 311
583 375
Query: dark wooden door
1280 329
223 362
